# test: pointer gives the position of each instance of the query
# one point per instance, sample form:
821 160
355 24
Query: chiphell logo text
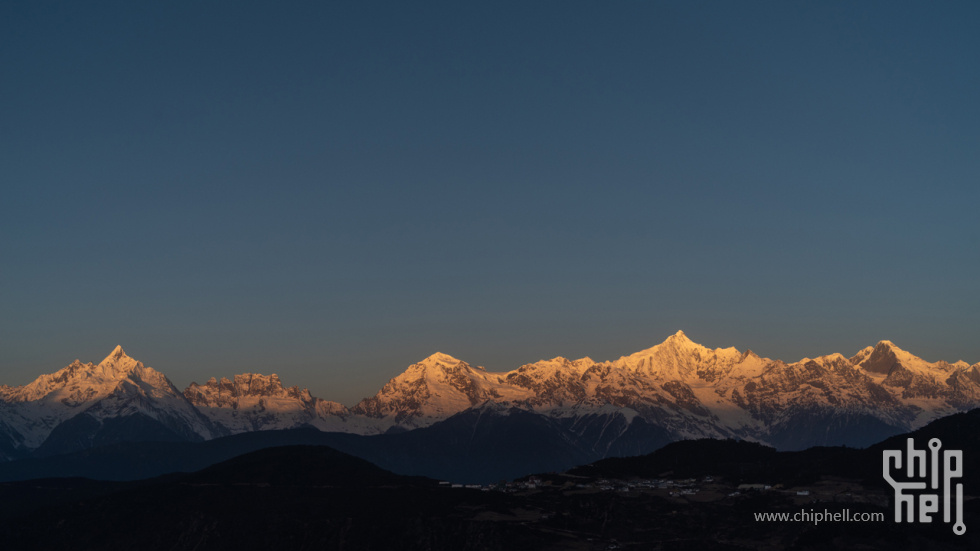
925 482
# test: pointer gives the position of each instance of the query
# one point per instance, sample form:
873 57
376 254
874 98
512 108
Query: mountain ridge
679 386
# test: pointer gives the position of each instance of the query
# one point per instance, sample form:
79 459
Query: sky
332 191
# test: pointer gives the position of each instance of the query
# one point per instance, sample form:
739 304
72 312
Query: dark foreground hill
688 495
749 462
314 497
295 498
471 447
474 446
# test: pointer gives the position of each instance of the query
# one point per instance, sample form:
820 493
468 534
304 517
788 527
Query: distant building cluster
672 487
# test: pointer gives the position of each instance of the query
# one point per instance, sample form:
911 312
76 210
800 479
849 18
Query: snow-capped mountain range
84 405
679 388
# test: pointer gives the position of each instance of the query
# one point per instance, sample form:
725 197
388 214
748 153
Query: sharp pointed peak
679 338
117 354
118 363
678 343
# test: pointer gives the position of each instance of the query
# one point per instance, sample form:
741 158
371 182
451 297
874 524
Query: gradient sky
333 191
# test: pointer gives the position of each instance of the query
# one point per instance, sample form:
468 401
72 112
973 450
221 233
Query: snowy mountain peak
433 389
892 348
117 362
684 388
440 358
116 354
675 358
680 341
677 341
118 386
679 335
886 356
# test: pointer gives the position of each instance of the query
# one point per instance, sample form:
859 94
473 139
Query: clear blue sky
332 191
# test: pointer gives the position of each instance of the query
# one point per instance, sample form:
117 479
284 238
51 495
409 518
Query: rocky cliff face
261 402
